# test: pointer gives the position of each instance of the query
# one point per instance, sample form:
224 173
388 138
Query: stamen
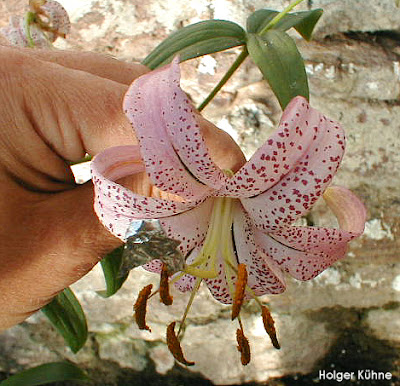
165 296
140 307
192 295
239 291
269 326
243 346
174 346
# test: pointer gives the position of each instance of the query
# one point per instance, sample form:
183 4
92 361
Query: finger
104 66
58 241
71 110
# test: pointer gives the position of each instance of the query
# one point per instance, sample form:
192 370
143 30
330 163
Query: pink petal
189 227
186 282
15 33
296 193
264 276
219 286
304 252
302 265
154 266
348 209
151 108
280 152
185 134
115 205
58 18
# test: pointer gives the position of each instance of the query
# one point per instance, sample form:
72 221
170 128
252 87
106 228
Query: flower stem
29 18
243 55
279 16
239 60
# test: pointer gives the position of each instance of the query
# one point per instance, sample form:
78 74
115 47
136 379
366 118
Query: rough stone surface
347 318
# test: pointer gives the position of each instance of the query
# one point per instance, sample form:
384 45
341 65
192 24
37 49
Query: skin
55 106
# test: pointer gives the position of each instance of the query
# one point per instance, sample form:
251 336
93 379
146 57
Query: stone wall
346 319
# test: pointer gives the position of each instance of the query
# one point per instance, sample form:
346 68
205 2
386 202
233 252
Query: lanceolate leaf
303 22
111 265
259 19
196 40
47 373
67 316
276 55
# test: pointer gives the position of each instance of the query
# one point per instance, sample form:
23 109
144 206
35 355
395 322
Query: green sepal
192 41
276 55
47 373
304 22
111 265
66 315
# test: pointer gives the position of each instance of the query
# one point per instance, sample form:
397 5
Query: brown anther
140 307
269 326
239 290
174 345
243 347
165 297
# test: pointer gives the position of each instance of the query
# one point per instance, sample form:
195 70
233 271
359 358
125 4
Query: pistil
218 241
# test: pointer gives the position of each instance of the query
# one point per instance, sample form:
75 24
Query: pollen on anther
165 296
243 347
140 307
269 326
174 346
239 291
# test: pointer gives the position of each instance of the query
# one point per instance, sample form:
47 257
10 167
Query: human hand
55 106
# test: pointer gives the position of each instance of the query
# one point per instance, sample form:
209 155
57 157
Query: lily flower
40 27
235 230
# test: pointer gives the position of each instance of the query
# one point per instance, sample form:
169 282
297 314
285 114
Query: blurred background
348 318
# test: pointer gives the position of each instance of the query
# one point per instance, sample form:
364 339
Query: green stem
279 16
239 60
29 18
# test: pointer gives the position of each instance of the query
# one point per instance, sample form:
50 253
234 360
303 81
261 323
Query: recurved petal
297 191
190 227
162 120
301 264
184 132
348 209
280 152
115 205
304 252
264 275
58 18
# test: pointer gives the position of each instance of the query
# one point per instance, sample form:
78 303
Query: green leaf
43 374
111 265
276 55
197 40
304 22
66 315
259 19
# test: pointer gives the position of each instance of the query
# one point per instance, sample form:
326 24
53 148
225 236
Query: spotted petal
304 252
264 275
172 146
280 152
189 227
58 19
297 191
115 205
